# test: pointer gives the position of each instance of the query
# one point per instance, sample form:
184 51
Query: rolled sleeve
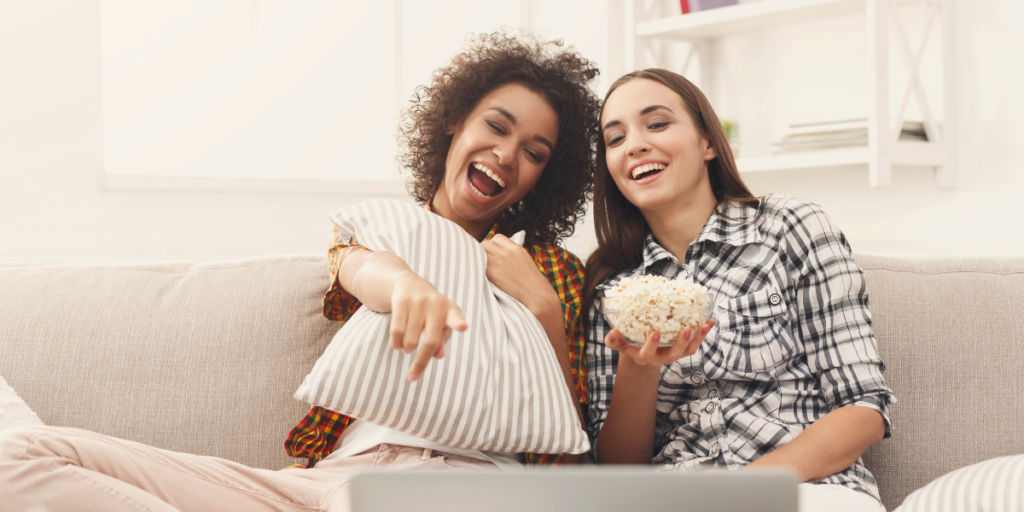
339 304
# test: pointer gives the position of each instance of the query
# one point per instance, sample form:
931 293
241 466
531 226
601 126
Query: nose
637 146
505 154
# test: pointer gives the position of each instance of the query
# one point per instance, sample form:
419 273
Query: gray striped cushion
498 387
995 485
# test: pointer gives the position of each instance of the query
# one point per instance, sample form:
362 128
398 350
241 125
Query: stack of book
838 134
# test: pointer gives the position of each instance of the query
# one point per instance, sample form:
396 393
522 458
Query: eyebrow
643 112
512 119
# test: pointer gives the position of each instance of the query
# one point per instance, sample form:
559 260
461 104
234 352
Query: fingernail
412 377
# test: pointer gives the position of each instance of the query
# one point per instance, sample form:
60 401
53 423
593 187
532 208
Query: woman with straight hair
786 373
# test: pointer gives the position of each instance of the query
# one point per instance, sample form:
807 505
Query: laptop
589 489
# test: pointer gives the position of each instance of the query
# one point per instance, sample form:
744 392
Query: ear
709 151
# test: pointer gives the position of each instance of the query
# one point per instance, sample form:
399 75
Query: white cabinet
635 30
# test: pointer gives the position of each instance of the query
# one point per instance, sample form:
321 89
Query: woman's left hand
513 270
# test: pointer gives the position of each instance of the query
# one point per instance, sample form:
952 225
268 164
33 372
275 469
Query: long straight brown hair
620 226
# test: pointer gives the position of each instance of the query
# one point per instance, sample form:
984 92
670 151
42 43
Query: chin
469 210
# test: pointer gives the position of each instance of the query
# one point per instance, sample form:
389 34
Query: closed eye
496 127
615 140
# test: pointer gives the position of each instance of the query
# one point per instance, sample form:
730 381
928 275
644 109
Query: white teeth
483 168
481 194
647 168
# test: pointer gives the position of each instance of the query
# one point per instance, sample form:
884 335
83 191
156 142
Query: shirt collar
737 227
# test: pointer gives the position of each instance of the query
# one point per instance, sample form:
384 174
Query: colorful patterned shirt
315 436
792 341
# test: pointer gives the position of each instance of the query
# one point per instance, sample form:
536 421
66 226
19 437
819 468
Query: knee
15 441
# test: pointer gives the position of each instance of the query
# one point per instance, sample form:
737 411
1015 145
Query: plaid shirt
792 341
315 436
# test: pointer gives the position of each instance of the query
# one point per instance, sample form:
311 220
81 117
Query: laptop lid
589 489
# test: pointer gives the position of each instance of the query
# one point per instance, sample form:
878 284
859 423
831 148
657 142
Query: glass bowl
637 318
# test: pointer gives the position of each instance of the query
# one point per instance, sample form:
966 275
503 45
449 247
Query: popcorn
638 306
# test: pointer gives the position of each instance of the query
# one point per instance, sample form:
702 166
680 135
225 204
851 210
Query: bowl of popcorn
639 306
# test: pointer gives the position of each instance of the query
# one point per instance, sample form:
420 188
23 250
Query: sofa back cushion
951 333
194 357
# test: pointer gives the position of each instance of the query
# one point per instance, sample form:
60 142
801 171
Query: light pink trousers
56 469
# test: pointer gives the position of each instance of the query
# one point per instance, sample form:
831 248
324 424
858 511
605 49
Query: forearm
370 277
829 445
627 436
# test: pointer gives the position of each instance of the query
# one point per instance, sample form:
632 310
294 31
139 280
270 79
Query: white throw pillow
14 412
995 485
499 386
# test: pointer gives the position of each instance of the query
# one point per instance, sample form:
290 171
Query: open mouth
484 182
646 170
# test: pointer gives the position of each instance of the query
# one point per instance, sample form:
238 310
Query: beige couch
204 357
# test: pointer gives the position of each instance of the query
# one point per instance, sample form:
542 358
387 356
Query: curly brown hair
561 76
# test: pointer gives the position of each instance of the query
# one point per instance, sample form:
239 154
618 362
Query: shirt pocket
752 332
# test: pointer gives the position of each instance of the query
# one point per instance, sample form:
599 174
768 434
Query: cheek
614 157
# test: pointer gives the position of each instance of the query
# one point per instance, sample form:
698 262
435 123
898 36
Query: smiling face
497 154
654 152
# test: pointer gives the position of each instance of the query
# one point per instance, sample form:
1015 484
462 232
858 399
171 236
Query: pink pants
62 469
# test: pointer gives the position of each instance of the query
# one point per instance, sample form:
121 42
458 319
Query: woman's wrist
631 370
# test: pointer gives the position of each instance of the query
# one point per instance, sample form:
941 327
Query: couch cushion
951 333
194 357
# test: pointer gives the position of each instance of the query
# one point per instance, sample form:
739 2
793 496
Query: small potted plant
732 134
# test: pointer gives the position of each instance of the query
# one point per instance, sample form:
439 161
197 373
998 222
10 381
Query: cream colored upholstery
200 358
951 333
204 358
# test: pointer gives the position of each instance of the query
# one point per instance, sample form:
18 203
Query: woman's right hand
650 354
422 320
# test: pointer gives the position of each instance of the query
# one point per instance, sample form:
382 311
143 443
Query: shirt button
774 299
714 448
710 407
713 393
696 379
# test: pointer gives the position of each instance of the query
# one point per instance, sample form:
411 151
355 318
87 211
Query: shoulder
785 217
562 268
806 238
551 256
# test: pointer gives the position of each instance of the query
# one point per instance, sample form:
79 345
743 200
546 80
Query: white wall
52 208
816 71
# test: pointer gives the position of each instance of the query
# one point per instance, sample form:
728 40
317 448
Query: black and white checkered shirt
792 341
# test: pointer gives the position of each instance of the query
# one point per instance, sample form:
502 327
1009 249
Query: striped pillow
499 386
994 485
14 412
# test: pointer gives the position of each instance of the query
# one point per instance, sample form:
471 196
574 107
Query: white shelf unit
634 29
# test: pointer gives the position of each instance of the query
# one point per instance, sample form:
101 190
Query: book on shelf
838 134
689 6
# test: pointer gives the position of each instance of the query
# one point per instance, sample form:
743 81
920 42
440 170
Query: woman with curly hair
500 141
